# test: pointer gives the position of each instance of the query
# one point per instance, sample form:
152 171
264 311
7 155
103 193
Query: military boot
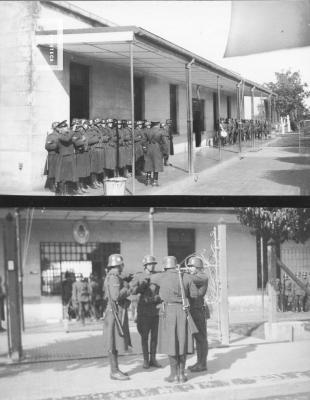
146 362
153 361
115 373
121 372
182 362
155 179
173 377
198 350
148 178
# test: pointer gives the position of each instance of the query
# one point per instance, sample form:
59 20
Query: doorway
198 119
139 98
79 91
181 243
174 108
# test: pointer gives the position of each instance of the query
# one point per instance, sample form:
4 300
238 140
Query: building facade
94 80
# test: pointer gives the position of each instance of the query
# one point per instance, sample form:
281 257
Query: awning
152 55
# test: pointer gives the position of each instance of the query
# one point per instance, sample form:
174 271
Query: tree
291 94
280 224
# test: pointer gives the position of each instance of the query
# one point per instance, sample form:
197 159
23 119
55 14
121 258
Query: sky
201 27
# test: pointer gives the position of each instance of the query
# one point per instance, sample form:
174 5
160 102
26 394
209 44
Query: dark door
198 119
173 108
215 111
181 243
139 98
228 107
101 255
79 91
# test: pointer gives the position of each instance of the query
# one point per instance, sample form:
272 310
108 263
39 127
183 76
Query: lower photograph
154 303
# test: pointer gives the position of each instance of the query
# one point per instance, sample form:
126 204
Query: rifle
191 324
114 312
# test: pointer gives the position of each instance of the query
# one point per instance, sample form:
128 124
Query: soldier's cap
124 121
149 260
139 122
103 121
110 121
115 260
129 122
147 123
162 124
62 124
55 124
97 120
119 122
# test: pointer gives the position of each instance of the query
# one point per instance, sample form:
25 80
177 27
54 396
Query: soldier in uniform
299 294
147 310
170 140
82 156
197 290
288 293
174 337
66 164
92 140
155 146
82 296
111 148
305 298
99 148
51 145
116 292
127 137
122 148
138 147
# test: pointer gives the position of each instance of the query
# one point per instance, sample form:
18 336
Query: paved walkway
243 371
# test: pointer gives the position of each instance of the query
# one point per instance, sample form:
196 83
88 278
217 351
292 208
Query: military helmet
55 124
62 124
119 122
195 262
103 121
115 260
129 122
91 121
97 120
149 260
139 122
169 262
110 121
147 123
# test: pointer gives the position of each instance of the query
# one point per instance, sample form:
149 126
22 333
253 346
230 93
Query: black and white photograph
155 303
103 98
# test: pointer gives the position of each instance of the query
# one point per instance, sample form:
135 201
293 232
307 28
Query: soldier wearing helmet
174 337
147 310
116 292
51 145
197 291
139 135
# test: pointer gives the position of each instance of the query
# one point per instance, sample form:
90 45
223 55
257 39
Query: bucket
115 186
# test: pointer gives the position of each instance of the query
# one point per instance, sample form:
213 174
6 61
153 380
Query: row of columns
188 73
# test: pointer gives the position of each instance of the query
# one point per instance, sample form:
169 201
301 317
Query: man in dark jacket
66 296
115 325
147 310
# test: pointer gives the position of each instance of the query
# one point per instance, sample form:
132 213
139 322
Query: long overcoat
155 143
119 293
93 139
66 163
138 143
81 154
174 337
111 149
51 145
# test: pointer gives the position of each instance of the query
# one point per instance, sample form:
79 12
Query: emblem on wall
81 232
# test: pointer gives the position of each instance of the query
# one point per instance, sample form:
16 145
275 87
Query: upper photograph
126 98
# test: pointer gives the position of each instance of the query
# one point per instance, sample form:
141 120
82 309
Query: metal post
13 301
252 116
224 310
238 115
262 274
272 300
132 118
219 116
189 106
19 267
151 225
261 116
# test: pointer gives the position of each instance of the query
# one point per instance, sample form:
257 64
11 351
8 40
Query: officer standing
147 310
174 336
122 148
82 296
138 147
111 148
82 157
116 326
92 140
170 140
99 149
155 146
66 164
51 145
197 290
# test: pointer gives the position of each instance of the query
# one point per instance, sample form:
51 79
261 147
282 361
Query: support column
252 116
151 226
12 301
224 309
269 112
20 267
238 116
189 108
272 274
132 94
219 115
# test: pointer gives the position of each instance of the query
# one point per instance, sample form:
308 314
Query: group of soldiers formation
249 129
83 155
290 296
171 312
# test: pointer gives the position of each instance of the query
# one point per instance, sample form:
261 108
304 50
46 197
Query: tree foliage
291 94
280 224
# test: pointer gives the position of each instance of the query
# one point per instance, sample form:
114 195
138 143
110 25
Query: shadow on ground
297 178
